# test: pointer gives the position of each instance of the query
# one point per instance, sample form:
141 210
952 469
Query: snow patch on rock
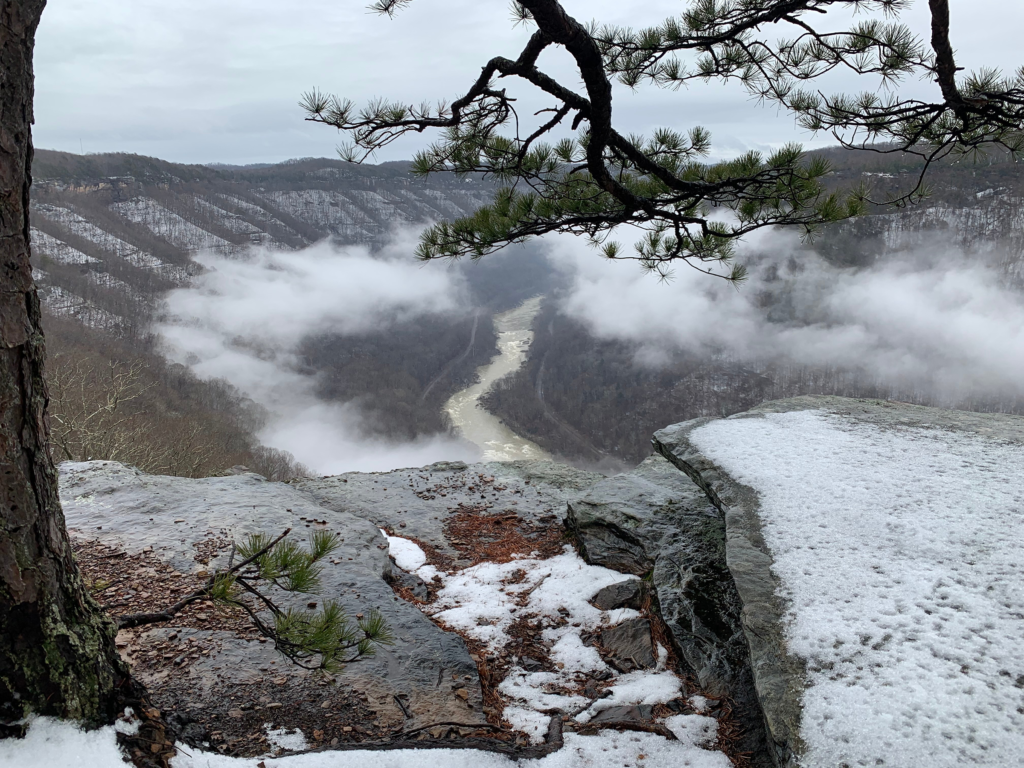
899 552
407 554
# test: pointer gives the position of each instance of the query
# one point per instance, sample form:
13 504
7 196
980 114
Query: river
483 429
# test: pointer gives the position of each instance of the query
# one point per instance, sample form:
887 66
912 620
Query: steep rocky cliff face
654 522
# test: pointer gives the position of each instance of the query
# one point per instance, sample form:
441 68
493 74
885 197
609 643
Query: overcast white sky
218 80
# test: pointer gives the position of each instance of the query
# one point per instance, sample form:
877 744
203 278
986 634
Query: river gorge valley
478 436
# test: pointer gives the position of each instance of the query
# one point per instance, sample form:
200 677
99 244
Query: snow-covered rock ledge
875 548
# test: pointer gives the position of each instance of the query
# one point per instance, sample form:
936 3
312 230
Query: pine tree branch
602 179
139 619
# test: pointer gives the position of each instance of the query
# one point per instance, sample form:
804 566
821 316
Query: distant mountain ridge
112 231
974 204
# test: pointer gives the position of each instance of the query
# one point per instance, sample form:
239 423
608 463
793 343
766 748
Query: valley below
396 379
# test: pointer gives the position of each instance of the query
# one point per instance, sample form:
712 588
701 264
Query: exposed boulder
625 594
409 581
629 646
627 715
750 599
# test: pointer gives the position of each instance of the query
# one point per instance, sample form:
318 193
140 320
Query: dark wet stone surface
634 714
625 594
230 697
628 645
409 581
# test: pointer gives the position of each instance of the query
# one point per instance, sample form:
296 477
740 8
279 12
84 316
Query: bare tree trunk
57 653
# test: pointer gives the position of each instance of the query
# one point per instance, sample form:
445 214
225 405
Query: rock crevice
747 592
655 523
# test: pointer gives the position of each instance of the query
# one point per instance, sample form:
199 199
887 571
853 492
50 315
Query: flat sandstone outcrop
426 677
204 663
420 503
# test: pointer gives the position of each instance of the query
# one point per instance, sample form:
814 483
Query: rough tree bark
57 653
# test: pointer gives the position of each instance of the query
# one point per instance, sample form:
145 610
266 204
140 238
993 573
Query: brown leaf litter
220 704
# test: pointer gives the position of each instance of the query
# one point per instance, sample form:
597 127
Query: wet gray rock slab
654 522
629 645
416 503
625 594
628 714
778 677
121 506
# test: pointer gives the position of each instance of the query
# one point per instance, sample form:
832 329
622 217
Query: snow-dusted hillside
990 227
111 232
972 205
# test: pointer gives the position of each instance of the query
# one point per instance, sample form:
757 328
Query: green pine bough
568 169
325 639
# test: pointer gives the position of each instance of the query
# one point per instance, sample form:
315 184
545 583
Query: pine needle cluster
597 179
324 639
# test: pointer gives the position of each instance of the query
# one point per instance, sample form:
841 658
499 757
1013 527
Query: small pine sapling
325 639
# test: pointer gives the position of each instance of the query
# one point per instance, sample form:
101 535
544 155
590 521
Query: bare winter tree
597 179
97 413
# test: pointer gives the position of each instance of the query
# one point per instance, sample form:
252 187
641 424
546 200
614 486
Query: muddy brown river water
497 441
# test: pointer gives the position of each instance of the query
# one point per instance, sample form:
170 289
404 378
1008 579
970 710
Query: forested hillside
975 203
112 233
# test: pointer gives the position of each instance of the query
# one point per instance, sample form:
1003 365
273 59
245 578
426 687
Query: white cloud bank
932 319
243 319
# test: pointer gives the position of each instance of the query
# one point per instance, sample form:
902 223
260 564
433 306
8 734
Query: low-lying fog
243 319
931 318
